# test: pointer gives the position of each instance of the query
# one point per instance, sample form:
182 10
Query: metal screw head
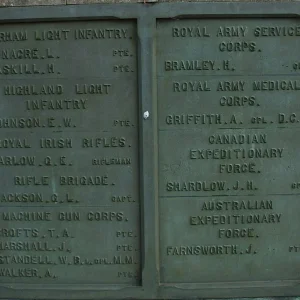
146 115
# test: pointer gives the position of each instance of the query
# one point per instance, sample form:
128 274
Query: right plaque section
229 149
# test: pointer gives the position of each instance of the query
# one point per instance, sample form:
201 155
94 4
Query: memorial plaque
228 121
69 154
149 151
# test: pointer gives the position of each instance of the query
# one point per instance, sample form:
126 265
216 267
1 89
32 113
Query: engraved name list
69 153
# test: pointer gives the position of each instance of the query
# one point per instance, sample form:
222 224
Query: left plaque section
69 197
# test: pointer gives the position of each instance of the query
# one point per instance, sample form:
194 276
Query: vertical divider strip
148 151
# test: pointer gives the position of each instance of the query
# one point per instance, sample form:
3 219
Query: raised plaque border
146 16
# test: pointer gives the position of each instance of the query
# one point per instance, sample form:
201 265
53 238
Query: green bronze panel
70 207
149 151
228 118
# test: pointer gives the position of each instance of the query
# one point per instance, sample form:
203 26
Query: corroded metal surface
149 151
